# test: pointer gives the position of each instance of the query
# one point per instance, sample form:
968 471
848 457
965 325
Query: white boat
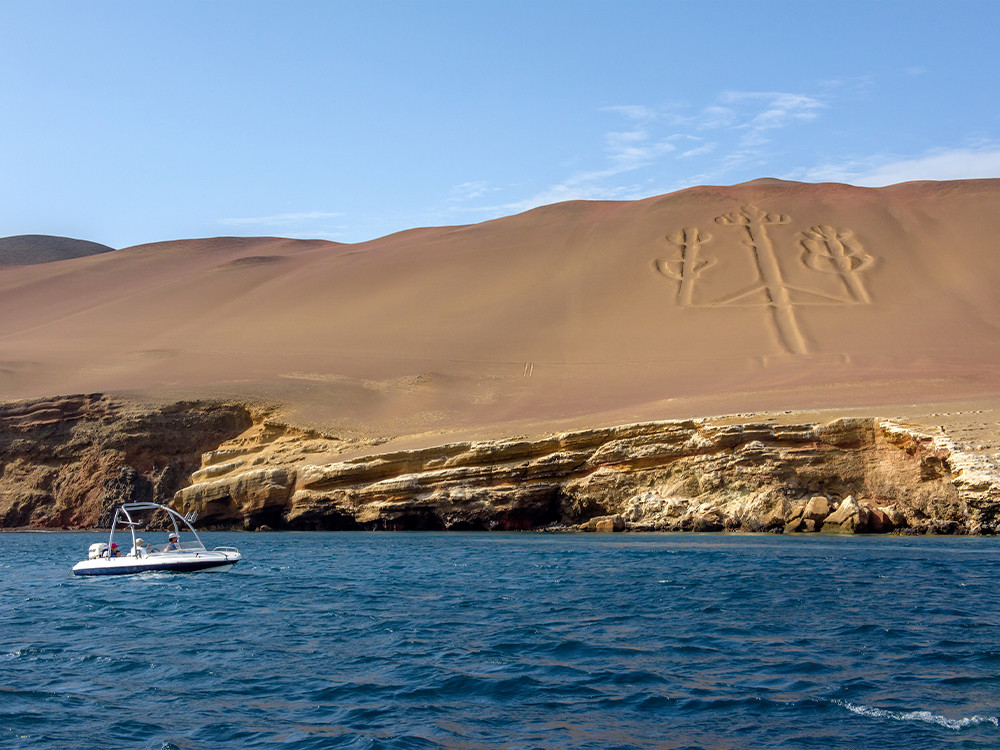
173 556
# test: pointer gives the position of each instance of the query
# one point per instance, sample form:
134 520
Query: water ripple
507 641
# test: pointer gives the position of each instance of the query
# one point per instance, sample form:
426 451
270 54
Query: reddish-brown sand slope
766 295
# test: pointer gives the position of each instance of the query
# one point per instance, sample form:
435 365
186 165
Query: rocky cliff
68 462
852 475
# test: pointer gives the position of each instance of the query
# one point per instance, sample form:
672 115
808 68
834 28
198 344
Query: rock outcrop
852 475
69 462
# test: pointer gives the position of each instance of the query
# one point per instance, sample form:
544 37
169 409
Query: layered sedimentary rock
68 462
852 475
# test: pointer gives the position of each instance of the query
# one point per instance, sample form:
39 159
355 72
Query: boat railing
225 549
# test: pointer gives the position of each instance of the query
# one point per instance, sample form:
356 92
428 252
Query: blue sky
133 121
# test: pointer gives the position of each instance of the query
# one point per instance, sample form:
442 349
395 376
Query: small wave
924 716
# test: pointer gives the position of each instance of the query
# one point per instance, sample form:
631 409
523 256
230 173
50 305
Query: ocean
489 640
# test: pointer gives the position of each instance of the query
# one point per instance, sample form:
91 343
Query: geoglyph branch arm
689 266
830 250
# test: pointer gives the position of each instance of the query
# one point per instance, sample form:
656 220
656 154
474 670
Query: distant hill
30 249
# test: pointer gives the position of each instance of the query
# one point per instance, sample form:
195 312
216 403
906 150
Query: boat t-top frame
123 516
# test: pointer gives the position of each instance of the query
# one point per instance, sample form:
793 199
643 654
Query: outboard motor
96 550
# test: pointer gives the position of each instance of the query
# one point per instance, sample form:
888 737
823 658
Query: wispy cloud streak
280 219
736 136
658 145
939 164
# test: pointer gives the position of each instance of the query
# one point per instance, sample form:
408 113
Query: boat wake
923 716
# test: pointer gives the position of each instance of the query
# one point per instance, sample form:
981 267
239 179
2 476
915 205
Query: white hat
139 540
172 535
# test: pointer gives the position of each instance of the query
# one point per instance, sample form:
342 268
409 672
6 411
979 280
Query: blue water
356 640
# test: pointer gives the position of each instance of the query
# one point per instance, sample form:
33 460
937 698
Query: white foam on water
924 716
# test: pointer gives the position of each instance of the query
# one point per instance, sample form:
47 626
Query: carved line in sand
824 249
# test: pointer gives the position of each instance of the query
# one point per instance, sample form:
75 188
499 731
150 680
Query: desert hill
522 372
28 249
766 295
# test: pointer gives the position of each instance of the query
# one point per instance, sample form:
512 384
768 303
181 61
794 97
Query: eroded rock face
852 476
69 462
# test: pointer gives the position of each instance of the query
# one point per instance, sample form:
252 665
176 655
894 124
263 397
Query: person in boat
172 545
140 549
112 551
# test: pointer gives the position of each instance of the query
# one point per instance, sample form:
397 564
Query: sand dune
766 295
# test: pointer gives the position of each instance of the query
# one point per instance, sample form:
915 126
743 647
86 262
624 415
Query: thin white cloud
940 164
850 86
280 219
733 137
644 157
319 235
633 149
697 151
947 165
763 111
468 191
638 112
715 116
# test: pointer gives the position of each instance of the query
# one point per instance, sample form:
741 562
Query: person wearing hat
139 549
172 545
112 551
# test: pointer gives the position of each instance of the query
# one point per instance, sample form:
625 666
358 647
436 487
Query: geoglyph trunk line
754 221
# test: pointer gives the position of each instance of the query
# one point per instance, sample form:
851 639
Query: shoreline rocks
848 476
67 462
